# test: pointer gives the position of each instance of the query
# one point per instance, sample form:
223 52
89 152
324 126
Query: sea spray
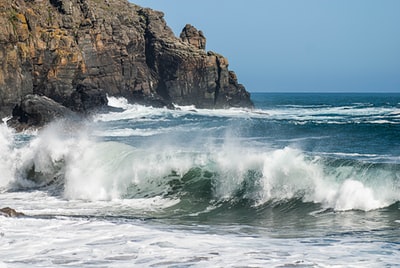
95 170
303 180
7 169
289 174
40 159
105 171
354 194
111 170
226 168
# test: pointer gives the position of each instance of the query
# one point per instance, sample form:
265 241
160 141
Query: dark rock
193 36
87 98
36 111
10 212
75 52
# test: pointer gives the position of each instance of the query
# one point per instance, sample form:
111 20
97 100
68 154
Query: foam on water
95 170
215 199
288 174
112 170
127 132
139 112
119 102
81 242
355 113
7 170
337 115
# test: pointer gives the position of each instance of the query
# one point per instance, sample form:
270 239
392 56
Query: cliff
76 51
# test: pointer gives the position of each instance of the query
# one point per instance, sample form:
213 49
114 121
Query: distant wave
320 114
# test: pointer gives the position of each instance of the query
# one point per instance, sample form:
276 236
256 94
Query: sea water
301 180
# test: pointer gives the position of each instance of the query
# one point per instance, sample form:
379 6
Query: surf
299 172
77 166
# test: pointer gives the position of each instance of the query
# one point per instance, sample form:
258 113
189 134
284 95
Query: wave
356 113
336 114
145 113
73 165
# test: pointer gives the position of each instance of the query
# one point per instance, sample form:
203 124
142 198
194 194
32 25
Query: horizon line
329 92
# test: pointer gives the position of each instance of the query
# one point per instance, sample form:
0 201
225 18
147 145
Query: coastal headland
71 54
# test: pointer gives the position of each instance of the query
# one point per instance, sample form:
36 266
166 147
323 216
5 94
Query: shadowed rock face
37 111
53 47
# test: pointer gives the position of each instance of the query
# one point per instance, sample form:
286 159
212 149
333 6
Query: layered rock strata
75 52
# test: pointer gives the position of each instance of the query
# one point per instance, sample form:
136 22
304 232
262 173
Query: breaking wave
73 165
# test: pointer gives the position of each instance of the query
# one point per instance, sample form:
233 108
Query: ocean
301 180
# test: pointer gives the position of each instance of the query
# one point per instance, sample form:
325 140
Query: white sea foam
314 113
84 242
127 132
118 102
95 170
288 174
334 115
136 112
231 112
354 194
114 208
7 170
139 112
109 170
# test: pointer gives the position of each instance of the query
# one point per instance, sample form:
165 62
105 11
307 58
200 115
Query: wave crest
226 173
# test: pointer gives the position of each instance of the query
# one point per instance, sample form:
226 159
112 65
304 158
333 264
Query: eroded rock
56 48
193 37
10 212
37 111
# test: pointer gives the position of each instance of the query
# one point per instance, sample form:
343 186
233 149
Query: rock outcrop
37 111
10 212
194 37
74 50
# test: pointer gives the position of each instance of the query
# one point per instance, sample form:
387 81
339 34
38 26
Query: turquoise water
308 180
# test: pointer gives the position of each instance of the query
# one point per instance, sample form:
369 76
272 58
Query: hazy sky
307 45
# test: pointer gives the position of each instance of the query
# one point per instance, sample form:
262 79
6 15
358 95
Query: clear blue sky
307 46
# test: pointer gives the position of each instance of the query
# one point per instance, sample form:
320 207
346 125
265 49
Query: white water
94 170
114 211
66 242
7 169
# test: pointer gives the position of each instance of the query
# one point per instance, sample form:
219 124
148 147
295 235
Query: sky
298 46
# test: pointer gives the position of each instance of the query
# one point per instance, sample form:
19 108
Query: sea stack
76 52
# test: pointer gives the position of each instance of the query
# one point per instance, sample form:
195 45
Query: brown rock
194 37
49 48
10 212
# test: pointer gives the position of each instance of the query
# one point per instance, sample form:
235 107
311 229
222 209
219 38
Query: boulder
37 111
10 212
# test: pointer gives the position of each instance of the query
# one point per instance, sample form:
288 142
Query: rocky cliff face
76 51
